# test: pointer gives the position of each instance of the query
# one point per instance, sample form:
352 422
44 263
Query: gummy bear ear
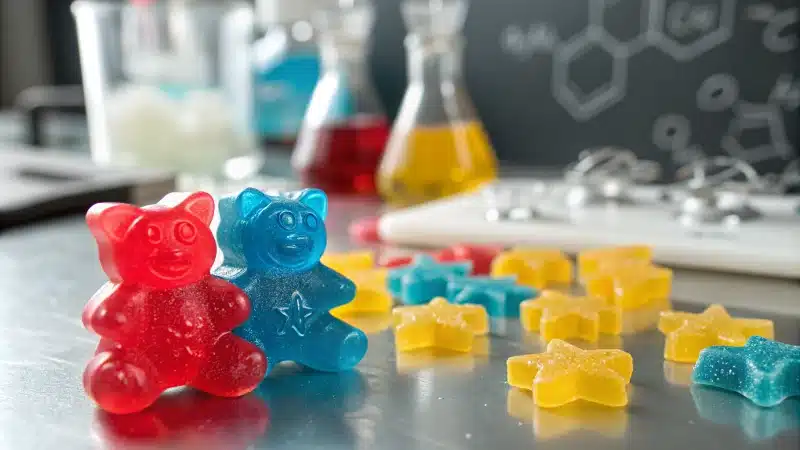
251 199
199 204
111 220
316 200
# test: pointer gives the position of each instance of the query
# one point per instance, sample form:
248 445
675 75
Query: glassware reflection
369 323
315 405
550 423
644 318
188 419
757 423
445 360
678 374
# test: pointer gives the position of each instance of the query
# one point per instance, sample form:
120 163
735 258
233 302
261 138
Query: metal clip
513 203
606 175
717 198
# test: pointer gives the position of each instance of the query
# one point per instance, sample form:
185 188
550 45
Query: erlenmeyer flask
437 146
345 129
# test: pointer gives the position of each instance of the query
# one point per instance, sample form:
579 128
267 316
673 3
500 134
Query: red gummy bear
480 255
164 321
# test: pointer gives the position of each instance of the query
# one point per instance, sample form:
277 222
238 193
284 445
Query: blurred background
230 90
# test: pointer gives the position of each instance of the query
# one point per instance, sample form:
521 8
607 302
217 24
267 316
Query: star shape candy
688 333
349 262
590 260
764 371
555 315
439 324
500 296
537 268
481 256
424 279
630 284
565 373
371 294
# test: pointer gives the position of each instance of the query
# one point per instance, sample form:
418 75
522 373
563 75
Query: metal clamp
513 203
714 192
606 175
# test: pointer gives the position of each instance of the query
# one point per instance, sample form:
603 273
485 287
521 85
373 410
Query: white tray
767 246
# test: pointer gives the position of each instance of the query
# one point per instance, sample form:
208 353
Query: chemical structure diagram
684 30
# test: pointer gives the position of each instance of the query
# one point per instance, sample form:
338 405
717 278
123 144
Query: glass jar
437 146
345 129
158 79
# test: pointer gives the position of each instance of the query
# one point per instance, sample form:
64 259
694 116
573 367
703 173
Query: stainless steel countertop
48 271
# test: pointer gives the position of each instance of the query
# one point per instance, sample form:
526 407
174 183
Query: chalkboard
672 80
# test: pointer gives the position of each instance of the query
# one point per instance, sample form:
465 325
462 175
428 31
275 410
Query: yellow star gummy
371 294
555 315
688 333
537 268
629 284
590 260
439 324
565 373
349 262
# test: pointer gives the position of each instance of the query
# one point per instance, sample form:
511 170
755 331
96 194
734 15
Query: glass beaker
345 129
286 68
158 79
437 146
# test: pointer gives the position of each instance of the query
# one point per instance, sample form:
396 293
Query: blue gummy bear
424 279
500 296
271 247
764 371
728 408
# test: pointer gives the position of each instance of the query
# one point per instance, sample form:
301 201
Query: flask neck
434 59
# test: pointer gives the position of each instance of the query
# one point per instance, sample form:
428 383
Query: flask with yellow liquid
437 146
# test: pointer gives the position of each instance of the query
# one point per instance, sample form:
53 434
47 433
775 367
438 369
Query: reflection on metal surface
678 374
313 405
728 408
368 323
447 361
549 423
188 419
645 318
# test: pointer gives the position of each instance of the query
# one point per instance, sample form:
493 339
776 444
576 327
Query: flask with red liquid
345 128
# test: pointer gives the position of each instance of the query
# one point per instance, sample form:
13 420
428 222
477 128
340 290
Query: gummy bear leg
234 368
333 346
121 382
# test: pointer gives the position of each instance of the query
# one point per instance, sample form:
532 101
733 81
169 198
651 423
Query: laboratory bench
48 271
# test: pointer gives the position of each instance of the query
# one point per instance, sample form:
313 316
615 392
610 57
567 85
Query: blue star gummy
500 296
424 279
271 247
764 371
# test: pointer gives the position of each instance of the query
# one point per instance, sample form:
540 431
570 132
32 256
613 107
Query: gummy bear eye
153 234
185 232
311 222
287 220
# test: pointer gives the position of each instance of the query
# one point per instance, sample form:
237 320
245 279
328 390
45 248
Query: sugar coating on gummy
535 267
688 333
555 315
164 321
501 297
764 371
272 247
424 279
439 325
565 373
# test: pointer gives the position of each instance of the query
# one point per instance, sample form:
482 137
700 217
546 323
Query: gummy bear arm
115 311
231 304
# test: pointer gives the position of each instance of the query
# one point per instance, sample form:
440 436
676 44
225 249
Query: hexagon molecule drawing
687 29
